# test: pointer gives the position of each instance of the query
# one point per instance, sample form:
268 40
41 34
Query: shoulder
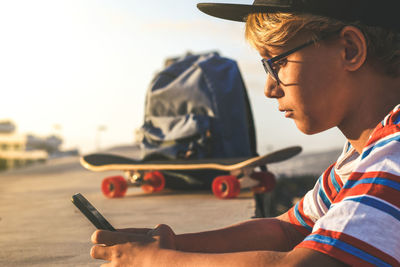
386 131
368 202
382 150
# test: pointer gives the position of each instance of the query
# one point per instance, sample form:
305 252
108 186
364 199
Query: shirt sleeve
316 202
361 226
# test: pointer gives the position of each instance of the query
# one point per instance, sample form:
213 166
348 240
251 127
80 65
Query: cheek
316 85
291 74
299 87
314 90
311 101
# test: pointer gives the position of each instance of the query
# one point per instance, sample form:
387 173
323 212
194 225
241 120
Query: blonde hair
276 29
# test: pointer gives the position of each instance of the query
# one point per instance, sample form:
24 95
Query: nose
272 89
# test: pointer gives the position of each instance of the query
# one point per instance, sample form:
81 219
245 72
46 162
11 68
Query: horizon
71 67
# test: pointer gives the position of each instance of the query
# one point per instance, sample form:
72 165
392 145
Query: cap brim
237 12
372 14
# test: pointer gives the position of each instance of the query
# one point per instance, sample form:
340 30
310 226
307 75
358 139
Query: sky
72 67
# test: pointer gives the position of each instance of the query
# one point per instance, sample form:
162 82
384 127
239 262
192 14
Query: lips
288 112
284 109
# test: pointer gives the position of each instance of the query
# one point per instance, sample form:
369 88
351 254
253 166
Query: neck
376 97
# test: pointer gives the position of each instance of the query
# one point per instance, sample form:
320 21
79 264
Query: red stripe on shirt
335 253
306 219
338 179
383 192
381 133
297 225
327 184
347 257
393 116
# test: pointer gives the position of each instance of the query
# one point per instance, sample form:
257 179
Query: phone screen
91 213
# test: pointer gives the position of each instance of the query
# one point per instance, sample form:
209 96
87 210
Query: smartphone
91 213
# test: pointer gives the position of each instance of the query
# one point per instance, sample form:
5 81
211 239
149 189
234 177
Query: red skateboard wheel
154 182
267 182
226 187
115 186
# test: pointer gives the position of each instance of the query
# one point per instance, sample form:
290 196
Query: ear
354 46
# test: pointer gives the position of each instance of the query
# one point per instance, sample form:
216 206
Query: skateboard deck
150 175
109 162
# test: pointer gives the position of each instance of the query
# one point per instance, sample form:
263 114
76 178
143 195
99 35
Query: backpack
196 108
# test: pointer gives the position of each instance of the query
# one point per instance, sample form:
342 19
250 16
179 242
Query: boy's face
310 90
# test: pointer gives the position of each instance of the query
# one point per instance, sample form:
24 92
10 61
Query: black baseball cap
382 13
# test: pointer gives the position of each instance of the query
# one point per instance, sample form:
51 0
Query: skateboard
239 173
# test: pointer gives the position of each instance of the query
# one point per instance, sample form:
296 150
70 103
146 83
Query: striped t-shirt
353 212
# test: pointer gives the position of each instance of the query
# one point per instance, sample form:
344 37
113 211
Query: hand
131 247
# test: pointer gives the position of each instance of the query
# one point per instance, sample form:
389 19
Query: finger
108 237
112 238
160 229
101 252
139 231
156 230
99 236
166 235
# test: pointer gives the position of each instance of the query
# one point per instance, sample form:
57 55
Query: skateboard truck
116 186
153 181
134 178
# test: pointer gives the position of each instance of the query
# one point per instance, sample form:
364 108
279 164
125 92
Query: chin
308 129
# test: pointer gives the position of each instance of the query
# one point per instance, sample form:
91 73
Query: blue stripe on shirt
348 147
397 121
322 194
379 144
378 204
300 218
374 180
347 248
334 182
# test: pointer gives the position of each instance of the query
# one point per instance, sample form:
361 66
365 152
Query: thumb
165 236
160 229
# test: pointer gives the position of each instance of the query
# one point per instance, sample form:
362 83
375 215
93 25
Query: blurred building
13 147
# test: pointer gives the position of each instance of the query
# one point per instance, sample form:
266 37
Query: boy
329 64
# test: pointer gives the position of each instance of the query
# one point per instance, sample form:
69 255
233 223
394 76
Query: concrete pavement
39 226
